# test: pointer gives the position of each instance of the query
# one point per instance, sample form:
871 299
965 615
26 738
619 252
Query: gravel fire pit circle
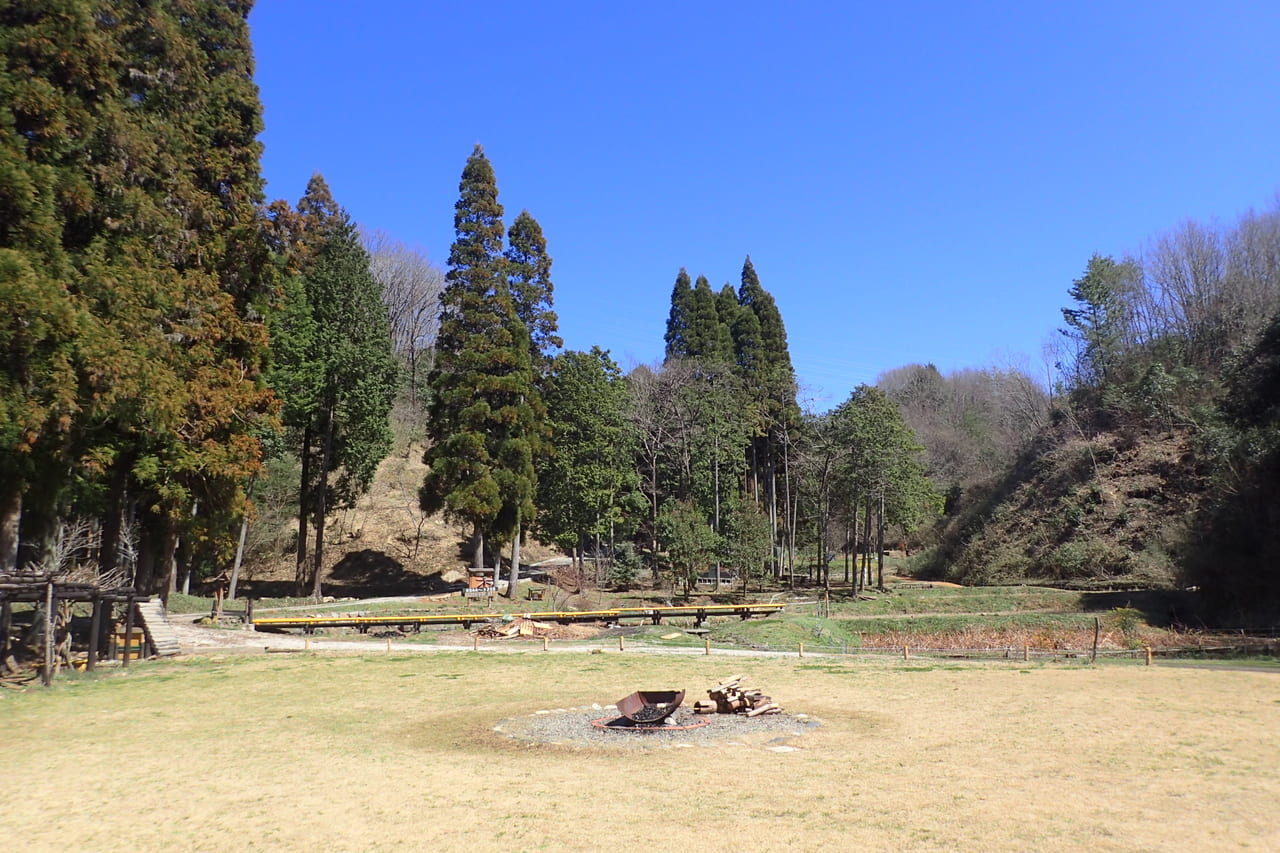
577 728
625 726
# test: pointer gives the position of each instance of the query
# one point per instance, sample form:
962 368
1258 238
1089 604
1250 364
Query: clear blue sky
915 182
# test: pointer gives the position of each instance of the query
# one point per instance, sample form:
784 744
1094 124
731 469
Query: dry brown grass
279 752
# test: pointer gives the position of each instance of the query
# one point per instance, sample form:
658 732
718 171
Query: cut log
763 709
727 684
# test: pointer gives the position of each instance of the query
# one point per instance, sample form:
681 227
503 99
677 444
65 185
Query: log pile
518 627
730 697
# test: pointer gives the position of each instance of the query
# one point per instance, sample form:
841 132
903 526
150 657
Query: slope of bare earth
384 545
1100 512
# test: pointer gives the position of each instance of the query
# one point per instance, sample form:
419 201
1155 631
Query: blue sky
915 182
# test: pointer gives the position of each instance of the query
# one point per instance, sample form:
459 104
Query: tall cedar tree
727 313
54 68
335 369
528 268
764 360
706 339
676 336
142 122
487 421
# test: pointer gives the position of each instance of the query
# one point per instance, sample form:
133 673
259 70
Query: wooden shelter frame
48 591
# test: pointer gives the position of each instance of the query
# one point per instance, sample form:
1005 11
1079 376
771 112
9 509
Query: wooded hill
1159 464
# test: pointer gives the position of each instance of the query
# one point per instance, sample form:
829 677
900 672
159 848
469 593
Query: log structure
51 596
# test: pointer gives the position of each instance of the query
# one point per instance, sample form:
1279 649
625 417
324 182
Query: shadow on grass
362 574
1161 608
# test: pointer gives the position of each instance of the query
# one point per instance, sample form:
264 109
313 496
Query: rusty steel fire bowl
648 711
650 707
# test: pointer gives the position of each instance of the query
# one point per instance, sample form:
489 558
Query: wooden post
1148 656
544 644
1097 630
388 645
306 644
802 650
906 653
1026 652
95 631
706 645
248 611
622 644
475 642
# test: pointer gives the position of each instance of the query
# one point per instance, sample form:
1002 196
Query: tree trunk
513 579
653 516
304 504
866 543
244 532
846 551
880 542
148 555
322 494
788 519
771 497
477 554
109 548
10 516
187 549
168 553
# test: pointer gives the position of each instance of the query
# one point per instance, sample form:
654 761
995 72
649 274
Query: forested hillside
1158 464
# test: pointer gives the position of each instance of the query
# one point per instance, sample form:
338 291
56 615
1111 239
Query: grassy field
394 752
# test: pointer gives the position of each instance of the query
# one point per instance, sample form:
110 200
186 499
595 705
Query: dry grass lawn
377 752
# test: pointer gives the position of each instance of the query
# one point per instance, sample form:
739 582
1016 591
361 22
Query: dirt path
197 640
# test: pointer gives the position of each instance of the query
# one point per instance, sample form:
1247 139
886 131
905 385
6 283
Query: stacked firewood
730 697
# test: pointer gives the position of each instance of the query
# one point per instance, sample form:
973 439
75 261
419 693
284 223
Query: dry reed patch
389 752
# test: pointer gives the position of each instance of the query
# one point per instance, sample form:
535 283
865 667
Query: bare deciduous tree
411 286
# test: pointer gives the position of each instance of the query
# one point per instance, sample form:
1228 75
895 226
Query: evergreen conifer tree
727 311
143 120
487 420
765 364
676 336
705 337
1098 322
528 268
334 369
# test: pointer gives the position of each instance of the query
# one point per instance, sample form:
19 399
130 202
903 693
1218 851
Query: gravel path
204 639
200 639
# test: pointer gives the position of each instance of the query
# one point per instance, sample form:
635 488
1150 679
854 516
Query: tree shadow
361 574
372 572
1161 608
